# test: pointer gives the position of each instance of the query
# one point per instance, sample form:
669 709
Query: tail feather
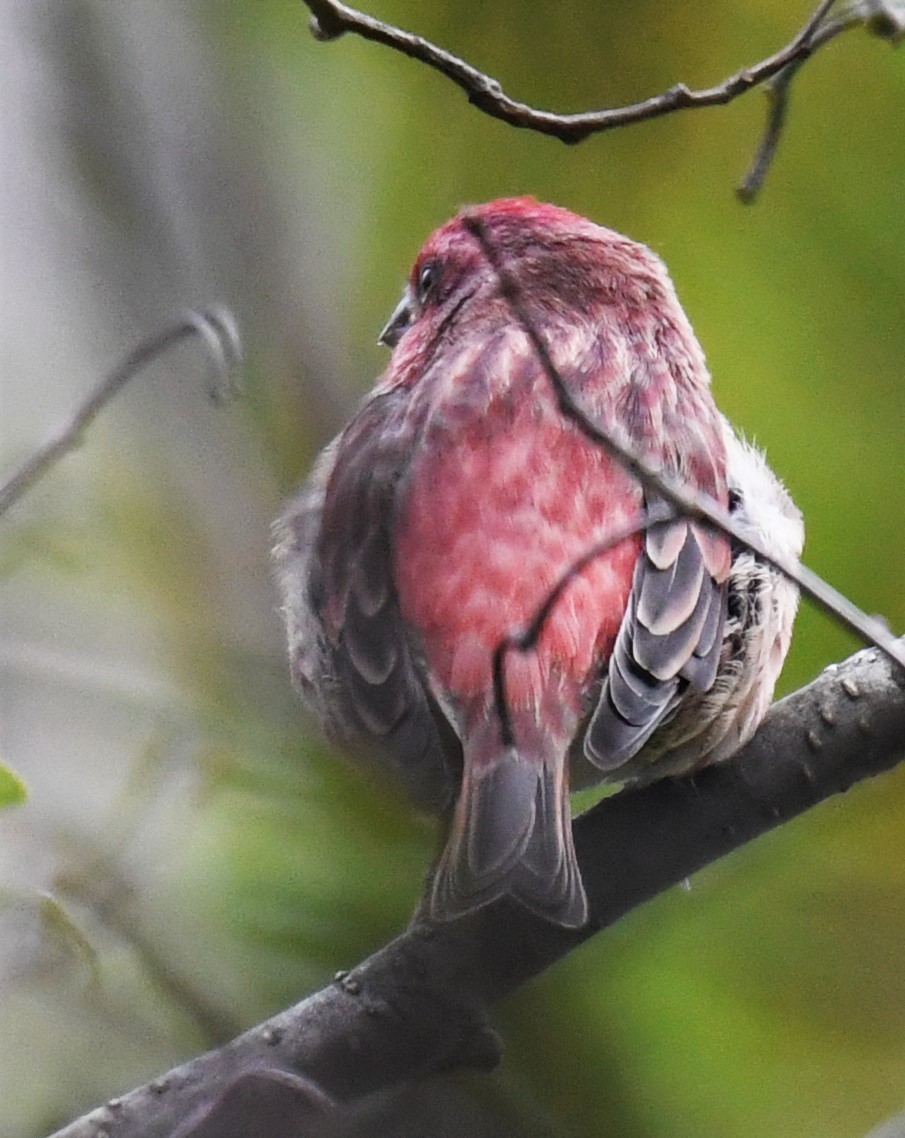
512 835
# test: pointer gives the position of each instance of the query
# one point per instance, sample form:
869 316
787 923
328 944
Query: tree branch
777 90
418 1005
331 19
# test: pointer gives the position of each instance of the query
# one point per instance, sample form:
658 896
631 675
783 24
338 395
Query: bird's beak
398 322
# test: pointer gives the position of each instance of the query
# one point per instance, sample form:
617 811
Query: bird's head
559 262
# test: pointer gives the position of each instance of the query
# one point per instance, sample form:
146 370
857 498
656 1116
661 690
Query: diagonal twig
215 327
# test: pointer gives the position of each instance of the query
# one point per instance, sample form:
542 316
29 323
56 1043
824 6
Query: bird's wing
670 638
350 652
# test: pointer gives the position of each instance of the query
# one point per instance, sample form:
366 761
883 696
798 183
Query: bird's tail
511 832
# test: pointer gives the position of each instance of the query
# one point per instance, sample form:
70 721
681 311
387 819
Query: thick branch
417 1006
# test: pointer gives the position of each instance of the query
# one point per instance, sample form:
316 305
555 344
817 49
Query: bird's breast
497 509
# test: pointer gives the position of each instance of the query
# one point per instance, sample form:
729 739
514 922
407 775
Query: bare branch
331 19
691 504
216 328
418 1006
777 91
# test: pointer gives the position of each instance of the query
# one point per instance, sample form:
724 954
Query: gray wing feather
670 638
703 663
664 653
349 647
663 542
635 695
668 594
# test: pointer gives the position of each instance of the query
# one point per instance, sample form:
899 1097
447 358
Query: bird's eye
427 280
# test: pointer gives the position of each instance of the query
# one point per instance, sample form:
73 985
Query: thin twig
216 328
777 91
691 504
525 639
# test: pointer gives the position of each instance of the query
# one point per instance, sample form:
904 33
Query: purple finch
459 496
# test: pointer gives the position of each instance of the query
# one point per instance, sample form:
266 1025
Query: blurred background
191 857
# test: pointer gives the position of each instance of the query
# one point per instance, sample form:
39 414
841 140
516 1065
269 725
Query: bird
460 499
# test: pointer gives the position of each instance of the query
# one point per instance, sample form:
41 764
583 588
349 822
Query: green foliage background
191 858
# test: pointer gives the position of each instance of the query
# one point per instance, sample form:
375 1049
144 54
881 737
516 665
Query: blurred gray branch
418 1006
218 332
885 18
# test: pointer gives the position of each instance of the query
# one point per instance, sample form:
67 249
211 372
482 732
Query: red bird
459 496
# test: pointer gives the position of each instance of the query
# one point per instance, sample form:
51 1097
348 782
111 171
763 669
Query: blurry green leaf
64 934
12 788
45 935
